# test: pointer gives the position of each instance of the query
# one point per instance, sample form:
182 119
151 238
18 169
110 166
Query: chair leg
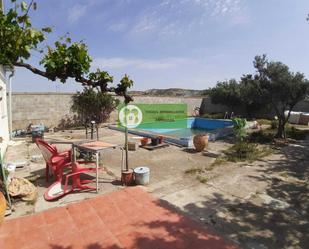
46 172
87 187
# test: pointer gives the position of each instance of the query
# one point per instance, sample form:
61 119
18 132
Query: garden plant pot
200 142
144 141
2 207
155 141
127 178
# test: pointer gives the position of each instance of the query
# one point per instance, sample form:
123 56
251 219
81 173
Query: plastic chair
58 190
55 161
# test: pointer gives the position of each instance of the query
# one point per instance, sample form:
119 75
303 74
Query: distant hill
172 92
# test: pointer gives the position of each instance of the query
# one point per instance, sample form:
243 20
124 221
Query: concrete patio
256 205
128 218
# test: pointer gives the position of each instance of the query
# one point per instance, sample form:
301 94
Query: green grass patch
244 151
219 161
193 171
202 179
262 136
297 134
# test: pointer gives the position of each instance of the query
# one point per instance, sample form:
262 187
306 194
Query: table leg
97 171
74 153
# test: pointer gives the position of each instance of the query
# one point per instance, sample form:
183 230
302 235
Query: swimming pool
181 132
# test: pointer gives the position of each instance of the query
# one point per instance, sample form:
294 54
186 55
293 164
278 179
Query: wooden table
95 147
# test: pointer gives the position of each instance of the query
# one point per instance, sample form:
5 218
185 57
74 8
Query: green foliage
297 134
274 124
92 104
244 151
67 60
268 135
273 85
194 170
227 93
17 35
279 87
124 84
202 179
101 76
261 136
237 94
62 61
240 128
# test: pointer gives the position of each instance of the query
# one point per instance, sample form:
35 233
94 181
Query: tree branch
33 69
79 79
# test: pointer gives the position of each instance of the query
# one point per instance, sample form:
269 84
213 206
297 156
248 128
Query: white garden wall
4 129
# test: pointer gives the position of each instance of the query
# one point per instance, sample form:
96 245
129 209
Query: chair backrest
47 150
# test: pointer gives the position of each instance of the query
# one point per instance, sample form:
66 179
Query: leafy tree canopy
92 104
273 84
64 60
279 87
227 93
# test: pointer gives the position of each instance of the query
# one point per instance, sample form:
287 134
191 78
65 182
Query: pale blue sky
176 43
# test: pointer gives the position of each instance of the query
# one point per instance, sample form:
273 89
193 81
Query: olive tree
226 93
273 84
279 87
64 60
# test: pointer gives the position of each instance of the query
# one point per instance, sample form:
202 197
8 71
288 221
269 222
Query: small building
4 127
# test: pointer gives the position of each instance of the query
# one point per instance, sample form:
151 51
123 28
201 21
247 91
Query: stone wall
208 107
50 108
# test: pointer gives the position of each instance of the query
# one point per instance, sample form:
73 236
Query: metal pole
126 148
97 171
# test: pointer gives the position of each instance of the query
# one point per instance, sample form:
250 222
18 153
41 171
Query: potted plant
161 138
200 142
127 174
2 207
144 141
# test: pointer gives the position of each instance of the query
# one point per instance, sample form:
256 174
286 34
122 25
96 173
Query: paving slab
129 218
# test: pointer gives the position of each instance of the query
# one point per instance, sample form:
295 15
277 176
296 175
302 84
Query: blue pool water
182 131
187 128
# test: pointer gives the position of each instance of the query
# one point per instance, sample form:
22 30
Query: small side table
96 147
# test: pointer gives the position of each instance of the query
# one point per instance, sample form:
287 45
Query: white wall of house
4 128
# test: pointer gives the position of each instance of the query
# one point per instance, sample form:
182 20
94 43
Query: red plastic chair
55 161
58 190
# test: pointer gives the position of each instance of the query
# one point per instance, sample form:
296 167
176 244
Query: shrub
274 124
241 151
244 151
240 128
213 115
92 104
296 134
261 136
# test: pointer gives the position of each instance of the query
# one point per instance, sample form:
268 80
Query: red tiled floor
128 218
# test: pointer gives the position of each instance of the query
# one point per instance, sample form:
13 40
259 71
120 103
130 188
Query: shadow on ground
279 222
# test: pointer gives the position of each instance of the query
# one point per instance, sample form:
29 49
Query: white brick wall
4 129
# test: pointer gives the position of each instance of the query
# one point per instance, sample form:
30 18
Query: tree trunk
281 129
